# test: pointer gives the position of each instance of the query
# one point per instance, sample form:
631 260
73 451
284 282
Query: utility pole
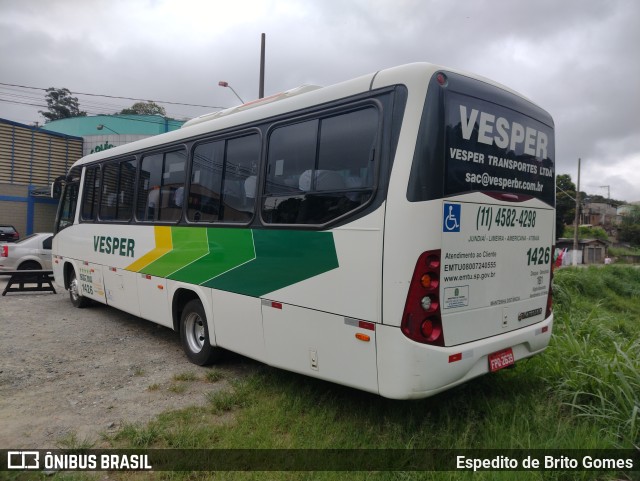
575 223
262 48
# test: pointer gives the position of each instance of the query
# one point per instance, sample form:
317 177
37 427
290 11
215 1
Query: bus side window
90 196
161 175
240 164
109 191
332 163
203 200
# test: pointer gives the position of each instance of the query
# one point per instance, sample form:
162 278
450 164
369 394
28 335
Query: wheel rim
73 289
194 330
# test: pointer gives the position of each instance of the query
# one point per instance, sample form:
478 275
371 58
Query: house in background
590 251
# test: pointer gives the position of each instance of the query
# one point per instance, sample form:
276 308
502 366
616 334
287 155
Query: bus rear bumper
410 370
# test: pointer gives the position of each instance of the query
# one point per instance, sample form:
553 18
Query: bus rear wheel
194 334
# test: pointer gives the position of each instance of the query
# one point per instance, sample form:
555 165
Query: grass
593 363
71 442
622 251
186 376
582 393
214 375
179 388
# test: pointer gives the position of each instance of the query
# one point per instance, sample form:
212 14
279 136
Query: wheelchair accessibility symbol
451 218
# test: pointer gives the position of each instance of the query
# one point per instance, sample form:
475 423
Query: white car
31 252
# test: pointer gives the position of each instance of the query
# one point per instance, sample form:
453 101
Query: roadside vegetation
585 232
623 251
582 393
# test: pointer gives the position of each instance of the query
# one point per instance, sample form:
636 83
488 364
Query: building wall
30 160
44 217
30 156
15 214
28 214
98 143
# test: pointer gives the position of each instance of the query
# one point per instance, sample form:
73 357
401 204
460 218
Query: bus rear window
478 137
489 147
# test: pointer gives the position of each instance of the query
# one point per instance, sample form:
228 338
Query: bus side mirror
56 186
56 190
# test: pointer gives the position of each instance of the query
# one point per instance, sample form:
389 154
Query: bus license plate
501 359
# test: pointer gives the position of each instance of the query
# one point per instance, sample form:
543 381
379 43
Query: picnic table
29 281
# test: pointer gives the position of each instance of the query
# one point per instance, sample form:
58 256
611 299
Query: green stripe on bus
244 261
282 258
188 245
226 249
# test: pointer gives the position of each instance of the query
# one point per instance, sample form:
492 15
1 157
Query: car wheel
29 266
194 334
77 299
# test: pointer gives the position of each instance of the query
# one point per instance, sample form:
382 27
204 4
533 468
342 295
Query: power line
160 121
22 103
92 107
118 97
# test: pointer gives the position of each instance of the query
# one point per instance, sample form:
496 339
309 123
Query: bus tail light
549 309
422 320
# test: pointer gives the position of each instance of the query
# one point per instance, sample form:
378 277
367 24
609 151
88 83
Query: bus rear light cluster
422 320
549 309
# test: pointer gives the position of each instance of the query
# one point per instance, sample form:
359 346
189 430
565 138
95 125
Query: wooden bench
42 279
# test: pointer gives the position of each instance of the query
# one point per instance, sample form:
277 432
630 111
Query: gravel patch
68 373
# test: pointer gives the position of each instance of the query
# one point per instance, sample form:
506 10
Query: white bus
392 233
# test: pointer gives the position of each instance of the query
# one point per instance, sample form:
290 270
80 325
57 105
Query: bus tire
194 335
77 299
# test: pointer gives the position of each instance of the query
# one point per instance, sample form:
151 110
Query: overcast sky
578 59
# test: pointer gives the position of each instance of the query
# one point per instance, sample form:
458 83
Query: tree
587 232
61 105
629 230
565 202
144 108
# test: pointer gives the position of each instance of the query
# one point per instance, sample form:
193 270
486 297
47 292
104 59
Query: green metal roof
114 124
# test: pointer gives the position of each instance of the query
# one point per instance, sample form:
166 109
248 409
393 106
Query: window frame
160 150
117 162
320 114
224 137
66 194
389 103
97 193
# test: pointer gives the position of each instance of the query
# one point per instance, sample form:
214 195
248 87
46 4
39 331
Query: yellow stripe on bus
162 235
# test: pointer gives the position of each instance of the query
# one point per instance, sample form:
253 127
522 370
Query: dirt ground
68 372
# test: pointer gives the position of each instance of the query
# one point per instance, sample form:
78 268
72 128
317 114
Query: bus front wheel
77 299
194 334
